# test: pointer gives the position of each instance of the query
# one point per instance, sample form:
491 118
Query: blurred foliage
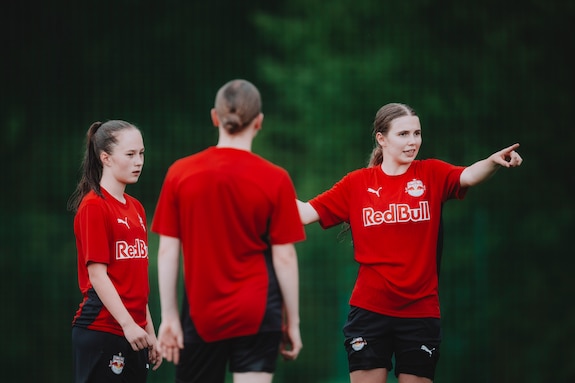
481 74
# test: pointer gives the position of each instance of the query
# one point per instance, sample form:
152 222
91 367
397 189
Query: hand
291 343
138 338
507 157
154 355
171 340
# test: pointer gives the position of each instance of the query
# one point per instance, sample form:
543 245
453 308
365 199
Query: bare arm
137 336
286 268
170 334
484 169
306 212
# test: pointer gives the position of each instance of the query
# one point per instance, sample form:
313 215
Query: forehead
129 139
405 123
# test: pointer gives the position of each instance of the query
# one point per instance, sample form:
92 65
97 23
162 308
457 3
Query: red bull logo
124 250
415 188
396 213
117 364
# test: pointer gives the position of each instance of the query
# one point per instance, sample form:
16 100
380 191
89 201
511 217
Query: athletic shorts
206 362
371 340
104 357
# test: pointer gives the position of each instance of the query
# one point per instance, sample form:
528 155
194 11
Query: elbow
284 255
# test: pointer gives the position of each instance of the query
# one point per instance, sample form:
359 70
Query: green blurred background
481 74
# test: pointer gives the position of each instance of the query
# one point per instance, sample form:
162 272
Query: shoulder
266 165
432 163
92 206
184 161
361 173
92 200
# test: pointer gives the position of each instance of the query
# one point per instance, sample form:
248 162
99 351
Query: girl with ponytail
393 208
113 334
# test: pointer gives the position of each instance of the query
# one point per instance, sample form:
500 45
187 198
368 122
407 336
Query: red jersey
394 224
110 232
228 206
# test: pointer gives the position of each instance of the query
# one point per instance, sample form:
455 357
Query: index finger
511 148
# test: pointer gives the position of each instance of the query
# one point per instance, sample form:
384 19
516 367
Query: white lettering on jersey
396 213
126 251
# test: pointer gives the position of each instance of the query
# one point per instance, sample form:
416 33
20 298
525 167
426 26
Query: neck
116 189
394 168
242 140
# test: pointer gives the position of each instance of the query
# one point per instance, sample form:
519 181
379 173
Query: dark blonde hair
101 137
383 118
237 103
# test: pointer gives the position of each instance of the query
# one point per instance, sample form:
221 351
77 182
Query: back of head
381 124
237 103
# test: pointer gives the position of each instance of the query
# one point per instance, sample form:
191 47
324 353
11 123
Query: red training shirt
394 223
228 206
114 233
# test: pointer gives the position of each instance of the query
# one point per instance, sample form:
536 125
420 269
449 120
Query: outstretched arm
484 169
306 212
284 259
170 334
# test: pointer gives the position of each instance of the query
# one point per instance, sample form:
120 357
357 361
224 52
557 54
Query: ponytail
232 123
376 157
91 169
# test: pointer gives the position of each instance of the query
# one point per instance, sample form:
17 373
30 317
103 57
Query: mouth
410 152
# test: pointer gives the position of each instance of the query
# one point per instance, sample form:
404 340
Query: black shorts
206 362
103 357
371 340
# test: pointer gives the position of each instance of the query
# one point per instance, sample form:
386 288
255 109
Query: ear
258 122
104 158
380 138
215 119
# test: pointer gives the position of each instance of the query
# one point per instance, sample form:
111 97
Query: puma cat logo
376 192
426 349
124 222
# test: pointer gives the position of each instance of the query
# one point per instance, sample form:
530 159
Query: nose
414 139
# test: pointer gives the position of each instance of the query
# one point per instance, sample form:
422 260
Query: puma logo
426 349
376 192
124 221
